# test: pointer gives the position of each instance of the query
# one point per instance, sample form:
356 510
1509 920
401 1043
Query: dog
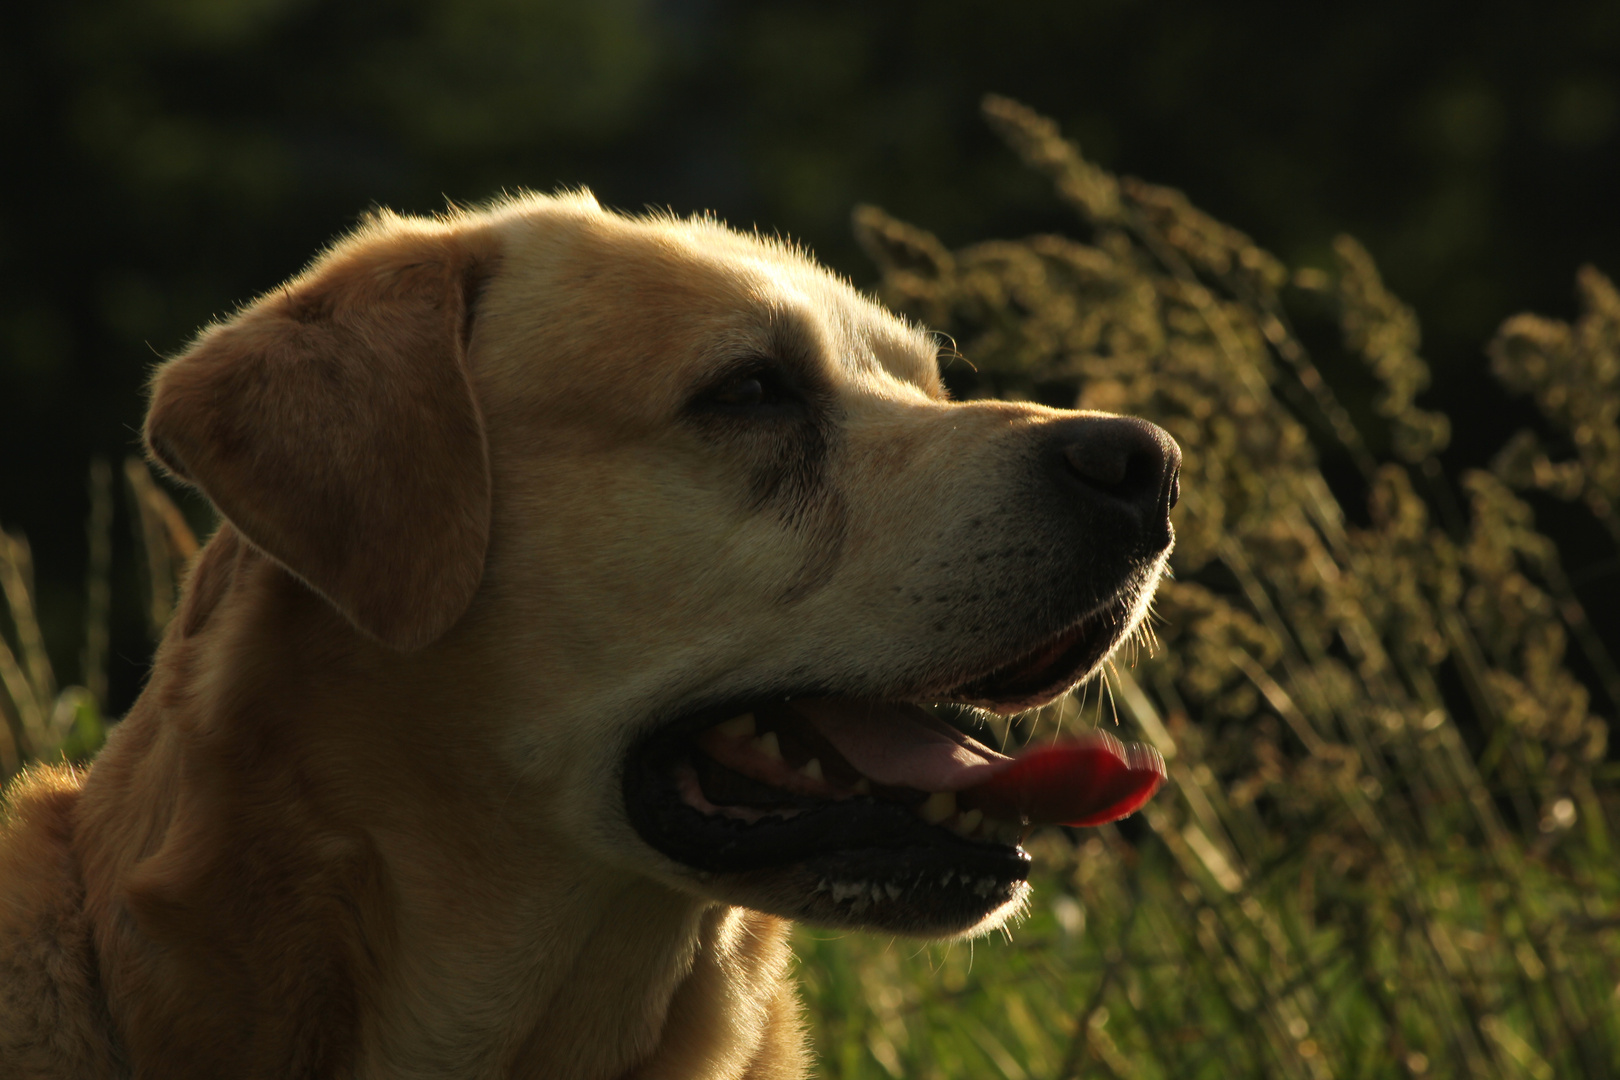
579 582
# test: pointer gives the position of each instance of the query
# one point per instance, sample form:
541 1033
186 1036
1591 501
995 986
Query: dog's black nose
1125 459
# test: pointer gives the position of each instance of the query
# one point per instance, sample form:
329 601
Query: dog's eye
741 393
756 392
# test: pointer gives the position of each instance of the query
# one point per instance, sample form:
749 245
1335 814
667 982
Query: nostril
1106 468
1175 490
1122 471
1129 459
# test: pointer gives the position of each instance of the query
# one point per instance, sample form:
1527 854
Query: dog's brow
900 362
789 337
868 345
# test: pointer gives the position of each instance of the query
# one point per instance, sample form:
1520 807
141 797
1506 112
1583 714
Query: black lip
820 828
1013 686
907 891
831 833
855 862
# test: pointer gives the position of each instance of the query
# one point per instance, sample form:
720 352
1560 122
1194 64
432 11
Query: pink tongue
1085 781
901 745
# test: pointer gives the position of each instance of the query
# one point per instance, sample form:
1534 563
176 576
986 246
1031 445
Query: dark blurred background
168 159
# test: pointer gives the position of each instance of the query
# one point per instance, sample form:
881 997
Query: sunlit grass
1386 845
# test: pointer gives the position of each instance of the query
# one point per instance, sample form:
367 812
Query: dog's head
698 529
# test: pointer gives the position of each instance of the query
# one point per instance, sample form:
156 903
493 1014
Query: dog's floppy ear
333 423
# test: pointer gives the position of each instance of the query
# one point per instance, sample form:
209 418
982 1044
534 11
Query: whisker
1108 689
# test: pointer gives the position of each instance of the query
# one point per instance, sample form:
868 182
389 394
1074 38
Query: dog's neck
620 979
260 811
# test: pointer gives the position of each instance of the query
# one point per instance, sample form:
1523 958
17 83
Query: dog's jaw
856 812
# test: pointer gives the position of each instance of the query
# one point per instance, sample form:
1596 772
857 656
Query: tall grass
40 718
1387 846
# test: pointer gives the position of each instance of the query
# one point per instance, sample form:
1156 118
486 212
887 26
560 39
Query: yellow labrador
580 580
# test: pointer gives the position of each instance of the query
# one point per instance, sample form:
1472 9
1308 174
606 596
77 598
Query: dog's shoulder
52 1020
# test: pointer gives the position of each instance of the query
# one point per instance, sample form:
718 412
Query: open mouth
880 812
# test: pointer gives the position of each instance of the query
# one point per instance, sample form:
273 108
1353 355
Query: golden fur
364 820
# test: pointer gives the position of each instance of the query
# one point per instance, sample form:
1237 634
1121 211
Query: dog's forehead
705 294
792 304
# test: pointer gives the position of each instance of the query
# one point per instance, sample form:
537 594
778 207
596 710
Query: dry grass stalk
1386 849
38 720
163 537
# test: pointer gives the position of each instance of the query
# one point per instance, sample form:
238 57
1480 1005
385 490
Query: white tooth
967 823
863 786
812 769
940 805
769 745
738 727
